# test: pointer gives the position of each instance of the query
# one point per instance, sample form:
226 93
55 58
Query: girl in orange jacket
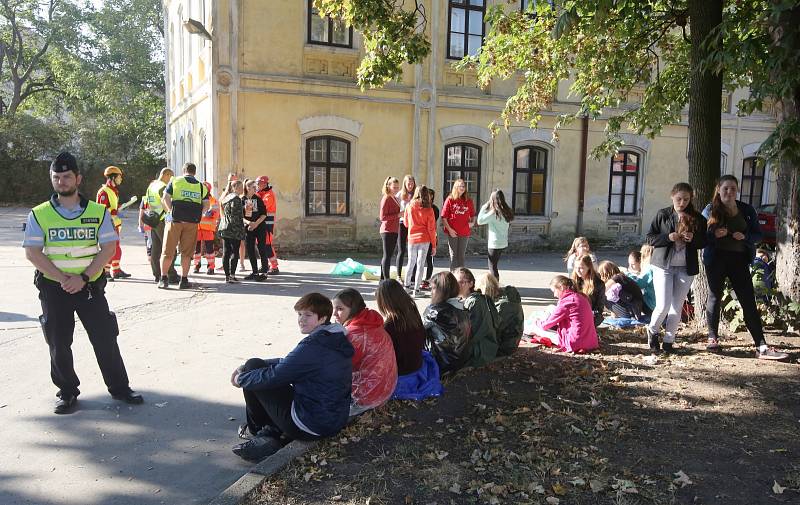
421 223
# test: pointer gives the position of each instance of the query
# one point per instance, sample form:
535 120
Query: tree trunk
705 122
787 262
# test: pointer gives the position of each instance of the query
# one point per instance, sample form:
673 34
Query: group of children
354 358
409 216
364 358
655 288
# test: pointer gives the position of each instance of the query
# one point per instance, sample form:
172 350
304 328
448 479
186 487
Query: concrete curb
236 492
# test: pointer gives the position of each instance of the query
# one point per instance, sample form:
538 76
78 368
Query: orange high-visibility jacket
209 223
268 197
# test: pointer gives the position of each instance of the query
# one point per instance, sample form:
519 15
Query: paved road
179 348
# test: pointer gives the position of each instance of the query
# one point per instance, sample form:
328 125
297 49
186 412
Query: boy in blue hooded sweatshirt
304 396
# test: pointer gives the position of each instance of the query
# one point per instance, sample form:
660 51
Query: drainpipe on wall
167 86
582 177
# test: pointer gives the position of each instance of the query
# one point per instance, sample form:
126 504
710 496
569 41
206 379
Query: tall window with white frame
327 31
623 184
752 187
465 29
530 180
463 161
327 176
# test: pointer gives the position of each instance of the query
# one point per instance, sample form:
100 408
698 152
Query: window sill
623 219
327 49
524 218
327 219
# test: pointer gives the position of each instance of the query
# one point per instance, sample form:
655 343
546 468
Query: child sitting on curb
374 362
304 396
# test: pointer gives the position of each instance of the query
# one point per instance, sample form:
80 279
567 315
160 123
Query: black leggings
389 241
494 258
735 266
402 249
230 255
259 235
429 264
271 407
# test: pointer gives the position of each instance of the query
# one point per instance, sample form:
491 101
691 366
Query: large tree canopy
96 73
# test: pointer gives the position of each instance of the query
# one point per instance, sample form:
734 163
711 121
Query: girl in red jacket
390 222
374 362
421 223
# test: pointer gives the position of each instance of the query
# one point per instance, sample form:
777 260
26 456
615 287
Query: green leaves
99 76
393 35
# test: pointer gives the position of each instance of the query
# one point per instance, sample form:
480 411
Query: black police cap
64 162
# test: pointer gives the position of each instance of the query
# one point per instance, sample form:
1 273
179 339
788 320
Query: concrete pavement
179 348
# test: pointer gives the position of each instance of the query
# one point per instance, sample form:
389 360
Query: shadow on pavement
172 449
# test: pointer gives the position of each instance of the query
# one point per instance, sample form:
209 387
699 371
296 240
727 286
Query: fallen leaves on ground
545 427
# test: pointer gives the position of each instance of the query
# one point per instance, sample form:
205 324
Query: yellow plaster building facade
269 89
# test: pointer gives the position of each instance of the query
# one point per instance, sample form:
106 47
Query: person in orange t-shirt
421 223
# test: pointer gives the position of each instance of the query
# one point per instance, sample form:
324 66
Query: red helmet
262 179
208 185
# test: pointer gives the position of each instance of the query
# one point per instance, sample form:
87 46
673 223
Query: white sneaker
770 353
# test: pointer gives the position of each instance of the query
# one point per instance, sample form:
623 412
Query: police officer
153 200
186 200
69 239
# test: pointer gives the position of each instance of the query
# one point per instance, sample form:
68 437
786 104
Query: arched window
190 147
623 184
463 161
752 188
181 154
327 176
173 160
530 180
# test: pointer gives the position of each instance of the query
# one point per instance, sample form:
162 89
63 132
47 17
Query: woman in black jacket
676 234
733 233
449 332
623 297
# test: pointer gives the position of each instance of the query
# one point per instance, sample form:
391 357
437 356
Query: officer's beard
67 192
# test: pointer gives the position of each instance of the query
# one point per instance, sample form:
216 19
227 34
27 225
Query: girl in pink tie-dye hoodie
572 318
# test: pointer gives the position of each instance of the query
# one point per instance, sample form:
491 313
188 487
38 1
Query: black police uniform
58 324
